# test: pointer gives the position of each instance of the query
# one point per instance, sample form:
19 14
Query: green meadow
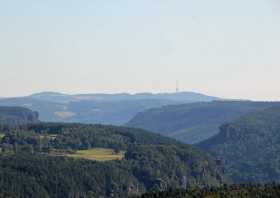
96 154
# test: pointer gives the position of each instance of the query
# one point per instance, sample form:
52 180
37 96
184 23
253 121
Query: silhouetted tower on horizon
177 86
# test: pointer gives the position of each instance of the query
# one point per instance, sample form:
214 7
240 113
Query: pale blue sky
219 47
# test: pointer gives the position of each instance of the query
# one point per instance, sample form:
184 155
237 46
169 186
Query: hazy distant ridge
180 96
101 108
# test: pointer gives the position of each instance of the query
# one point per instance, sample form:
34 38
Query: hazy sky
224 48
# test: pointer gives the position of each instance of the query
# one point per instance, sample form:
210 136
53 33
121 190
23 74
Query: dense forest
36 160
225 191
40 159
249 148
195 122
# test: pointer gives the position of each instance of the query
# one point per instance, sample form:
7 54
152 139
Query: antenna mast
177 86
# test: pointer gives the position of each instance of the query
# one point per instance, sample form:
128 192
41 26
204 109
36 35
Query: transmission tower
177 86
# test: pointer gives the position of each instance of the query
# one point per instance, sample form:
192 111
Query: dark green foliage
42 176
235 191
176 163
79 136
192 123
152 162
250 147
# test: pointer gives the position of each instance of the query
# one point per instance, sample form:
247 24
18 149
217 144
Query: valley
195 122
139 99
113 161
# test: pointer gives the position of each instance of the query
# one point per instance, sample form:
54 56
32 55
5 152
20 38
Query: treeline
46 136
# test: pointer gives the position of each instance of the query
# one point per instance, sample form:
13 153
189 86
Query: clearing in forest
97 154
2 135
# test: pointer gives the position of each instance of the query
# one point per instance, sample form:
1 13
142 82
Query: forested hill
192 123
250 147
75 160
14 116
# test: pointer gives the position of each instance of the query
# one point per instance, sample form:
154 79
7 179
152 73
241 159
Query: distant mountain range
65 98
114 109
192 123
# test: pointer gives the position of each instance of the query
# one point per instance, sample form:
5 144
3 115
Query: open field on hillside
2 135
96 154
49 137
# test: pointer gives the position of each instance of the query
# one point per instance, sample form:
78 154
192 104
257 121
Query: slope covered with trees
234 191
192 123
249 148
15 116
35 162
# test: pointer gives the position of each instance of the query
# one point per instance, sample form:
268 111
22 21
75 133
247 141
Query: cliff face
249 147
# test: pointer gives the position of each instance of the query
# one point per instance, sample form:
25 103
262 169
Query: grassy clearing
96 154
49 137
64 114
2 135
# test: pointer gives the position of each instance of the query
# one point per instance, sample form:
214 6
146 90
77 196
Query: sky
224 48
